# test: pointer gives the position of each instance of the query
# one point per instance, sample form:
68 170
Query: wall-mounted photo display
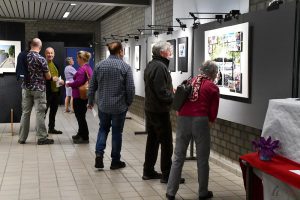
228 47
183 54
9 51
126 57
172 64
137 55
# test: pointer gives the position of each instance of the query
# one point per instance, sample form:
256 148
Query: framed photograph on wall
9 51
172 64
126 57
137 55
228 47
183 54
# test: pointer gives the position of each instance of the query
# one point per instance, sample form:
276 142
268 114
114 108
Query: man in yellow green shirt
52 91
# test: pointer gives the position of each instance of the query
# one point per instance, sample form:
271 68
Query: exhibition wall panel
10 88
271 56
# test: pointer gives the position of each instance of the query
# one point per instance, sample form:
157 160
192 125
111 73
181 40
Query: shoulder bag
182 93
83 89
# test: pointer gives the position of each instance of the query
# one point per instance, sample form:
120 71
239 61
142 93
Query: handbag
182 93
83 89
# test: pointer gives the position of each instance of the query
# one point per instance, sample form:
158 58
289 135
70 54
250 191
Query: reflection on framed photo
230 52
172 64
9 51
183 54
126 57
137 54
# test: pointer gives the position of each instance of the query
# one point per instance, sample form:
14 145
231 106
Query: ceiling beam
133 3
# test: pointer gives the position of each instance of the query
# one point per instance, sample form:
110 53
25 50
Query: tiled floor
65 171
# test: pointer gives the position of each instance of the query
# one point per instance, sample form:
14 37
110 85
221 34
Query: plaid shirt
113 80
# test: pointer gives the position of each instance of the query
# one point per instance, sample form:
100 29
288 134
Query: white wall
182 8
177 77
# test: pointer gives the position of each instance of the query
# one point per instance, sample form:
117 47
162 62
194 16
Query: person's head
162 49
115 48
69 61
35 44
49 54
83 57
210 69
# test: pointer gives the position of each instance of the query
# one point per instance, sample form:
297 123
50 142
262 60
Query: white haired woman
70 71
194 120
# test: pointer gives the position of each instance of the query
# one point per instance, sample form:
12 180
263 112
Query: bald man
52 91
34 93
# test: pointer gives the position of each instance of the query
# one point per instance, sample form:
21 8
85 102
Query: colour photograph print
9 51
228 47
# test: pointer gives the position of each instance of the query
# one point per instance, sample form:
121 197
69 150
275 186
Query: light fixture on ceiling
66 14
73 4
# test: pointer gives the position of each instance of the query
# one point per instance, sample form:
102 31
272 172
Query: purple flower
266 147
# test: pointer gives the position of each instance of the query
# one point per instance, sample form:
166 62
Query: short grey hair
160 46
209 68
68 60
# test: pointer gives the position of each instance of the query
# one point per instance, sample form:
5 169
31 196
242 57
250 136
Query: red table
279 167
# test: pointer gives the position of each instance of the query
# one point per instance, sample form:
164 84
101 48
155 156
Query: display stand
191 157
12 121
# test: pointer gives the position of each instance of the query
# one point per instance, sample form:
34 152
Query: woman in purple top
83 57
70 71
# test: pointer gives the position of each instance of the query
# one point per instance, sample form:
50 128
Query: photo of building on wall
228 47
7 56
9 50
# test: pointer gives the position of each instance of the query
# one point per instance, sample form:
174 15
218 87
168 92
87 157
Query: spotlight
235 13
274 4
125 40
219 18
136 38
227 17
155 33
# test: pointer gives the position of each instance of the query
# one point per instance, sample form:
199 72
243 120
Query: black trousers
159 130
80 111
52 103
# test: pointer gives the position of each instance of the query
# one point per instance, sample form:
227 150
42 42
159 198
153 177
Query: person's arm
160 86
130 88
80 80
214 105
93 87
48 75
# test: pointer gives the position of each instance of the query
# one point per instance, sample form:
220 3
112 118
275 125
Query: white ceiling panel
53 9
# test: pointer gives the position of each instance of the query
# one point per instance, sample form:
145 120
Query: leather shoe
117 165
165 180
53 131
99 162
153 175
21 142
170 197
208 196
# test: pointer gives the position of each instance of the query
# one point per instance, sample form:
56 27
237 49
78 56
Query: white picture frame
9 51
228 47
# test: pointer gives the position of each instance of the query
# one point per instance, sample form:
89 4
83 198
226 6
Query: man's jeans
116 121
38 99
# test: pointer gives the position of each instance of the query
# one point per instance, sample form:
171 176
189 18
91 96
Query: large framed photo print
228 47
172 64
137 55
126 57
9 51
183 54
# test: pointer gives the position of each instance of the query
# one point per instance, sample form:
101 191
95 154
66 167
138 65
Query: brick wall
256 5
33 27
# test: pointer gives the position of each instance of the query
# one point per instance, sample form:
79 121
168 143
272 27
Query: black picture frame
183 54
137 57
172 64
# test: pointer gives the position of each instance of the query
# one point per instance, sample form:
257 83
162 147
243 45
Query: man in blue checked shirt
113 80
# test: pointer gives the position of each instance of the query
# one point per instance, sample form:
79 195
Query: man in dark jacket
158 100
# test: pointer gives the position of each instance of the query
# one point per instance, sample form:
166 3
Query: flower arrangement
265 147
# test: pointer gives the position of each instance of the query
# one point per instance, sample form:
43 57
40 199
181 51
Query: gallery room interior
256 46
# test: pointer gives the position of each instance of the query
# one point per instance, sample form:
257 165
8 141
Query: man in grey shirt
113 80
